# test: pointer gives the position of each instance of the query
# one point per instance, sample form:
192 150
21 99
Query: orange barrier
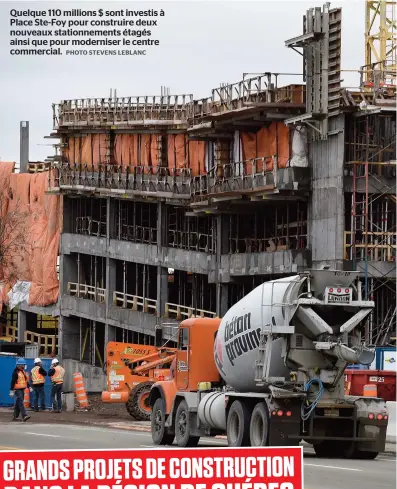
348 386
26 394
370 390
26 398
79 388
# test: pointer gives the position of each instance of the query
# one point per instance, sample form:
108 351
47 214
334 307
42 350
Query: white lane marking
42 434
332 467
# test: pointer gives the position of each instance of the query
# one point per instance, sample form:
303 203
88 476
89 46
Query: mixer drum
237 341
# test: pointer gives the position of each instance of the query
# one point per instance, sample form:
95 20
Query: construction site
154 209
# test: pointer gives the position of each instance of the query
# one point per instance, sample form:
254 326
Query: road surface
319 473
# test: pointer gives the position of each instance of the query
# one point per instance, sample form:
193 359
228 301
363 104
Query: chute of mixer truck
271 371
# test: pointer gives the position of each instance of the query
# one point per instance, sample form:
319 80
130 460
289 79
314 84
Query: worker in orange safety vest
19 382
57 374
38 375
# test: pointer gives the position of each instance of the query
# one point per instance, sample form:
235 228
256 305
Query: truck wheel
238 425
259 426
182 427
367 455
159 434
137 405
325 449
350 451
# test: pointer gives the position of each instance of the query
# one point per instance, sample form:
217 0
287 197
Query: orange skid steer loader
131 370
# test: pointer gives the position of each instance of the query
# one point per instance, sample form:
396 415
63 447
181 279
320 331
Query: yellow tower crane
380 43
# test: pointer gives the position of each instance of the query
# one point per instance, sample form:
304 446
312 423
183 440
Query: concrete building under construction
175 206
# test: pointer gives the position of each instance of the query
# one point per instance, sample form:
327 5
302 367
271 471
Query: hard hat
54 361
21 361
37 360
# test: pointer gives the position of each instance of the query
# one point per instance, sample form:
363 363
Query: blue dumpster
7 365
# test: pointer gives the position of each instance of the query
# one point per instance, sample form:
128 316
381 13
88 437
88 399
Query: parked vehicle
131 371
271 372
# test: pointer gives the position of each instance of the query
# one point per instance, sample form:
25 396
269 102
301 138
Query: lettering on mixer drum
239 337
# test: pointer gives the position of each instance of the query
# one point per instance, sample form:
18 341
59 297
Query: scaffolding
274 228
370 237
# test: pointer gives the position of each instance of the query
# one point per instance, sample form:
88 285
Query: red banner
171 468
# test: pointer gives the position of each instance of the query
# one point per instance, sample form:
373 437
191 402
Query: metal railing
116 177
84 291
257 89
237 176
134 302
191 240
137 234
180 312
90 227
163 109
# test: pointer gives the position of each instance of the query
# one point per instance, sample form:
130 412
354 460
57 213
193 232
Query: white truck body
282 351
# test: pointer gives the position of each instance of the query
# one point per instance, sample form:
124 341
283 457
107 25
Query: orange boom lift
131 371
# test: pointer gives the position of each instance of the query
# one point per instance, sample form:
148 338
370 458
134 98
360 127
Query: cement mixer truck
271 372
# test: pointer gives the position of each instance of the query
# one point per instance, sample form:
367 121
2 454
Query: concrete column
22 323
326 206
222 248
68 267
161 225
110 219
69 338
24 146
224 300
110 334
23 168
110 283
162 290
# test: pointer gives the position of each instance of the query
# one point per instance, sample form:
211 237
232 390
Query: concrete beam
52 310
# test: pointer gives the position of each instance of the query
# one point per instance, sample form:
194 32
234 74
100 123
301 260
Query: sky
202 44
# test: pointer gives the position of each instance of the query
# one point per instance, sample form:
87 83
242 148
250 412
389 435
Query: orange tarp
197 157
126 150
90 149
267 143
6 169
177 157
34 217
131 150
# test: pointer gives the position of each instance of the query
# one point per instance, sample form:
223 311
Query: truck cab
195 365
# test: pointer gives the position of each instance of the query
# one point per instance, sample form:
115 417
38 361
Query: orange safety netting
267 143
34 224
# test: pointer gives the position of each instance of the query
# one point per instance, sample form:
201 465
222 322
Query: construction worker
19 382
38 375
57 374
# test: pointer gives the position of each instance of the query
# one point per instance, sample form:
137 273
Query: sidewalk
102 420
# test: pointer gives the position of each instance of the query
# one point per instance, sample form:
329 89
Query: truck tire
157 421
259 426
182 427
367 455
350 451
238 425
136 405
326 449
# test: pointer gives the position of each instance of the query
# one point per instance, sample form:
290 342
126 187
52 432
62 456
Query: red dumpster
384 380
